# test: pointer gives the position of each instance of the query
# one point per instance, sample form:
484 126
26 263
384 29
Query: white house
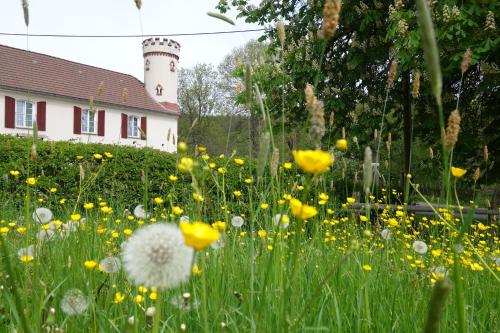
81 103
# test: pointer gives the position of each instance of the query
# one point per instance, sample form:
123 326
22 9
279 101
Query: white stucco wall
59 123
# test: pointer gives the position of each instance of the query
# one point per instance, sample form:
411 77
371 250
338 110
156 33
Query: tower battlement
163 45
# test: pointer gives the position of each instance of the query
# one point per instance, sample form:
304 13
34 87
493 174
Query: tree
199 98
356 60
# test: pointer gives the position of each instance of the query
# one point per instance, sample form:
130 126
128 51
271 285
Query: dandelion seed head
282 221
26 252
140 212
237 221
156 255
74 302
386 234
45 235
110 264
419 247
42 215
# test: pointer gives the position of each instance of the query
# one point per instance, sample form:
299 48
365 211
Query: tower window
147 65
159 90
172 66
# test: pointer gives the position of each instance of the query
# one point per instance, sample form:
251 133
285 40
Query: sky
121 17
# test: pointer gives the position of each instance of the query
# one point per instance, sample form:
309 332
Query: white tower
161 57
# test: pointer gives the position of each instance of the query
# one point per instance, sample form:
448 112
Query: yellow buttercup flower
108 155
287 165
199 235
302 211
341 144
90 264
15 173
31 181
158 200
196 270
458 172
88 205
182 147
176 210
76 217
26 259
97 156
185 165
119 297
313 161
172 178
239 161
367 268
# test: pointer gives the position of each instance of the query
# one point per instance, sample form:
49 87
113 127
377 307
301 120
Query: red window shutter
10 112
100 122
124 126
77 120
144 128
41 110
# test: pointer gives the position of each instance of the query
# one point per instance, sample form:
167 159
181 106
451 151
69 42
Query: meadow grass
334 272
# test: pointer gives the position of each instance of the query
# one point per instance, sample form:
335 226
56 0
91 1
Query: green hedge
57 166
119 179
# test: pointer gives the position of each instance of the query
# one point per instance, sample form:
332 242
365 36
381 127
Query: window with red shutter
41 109
124 126
10 112
144 128
101 122
77 120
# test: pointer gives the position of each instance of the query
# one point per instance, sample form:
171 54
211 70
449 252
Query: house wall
59 123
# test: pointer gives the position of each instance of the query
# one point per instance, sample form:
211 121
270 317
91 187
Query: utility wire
131 36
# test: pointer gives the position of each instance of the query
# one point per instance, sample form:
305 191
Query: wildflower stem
206 328
13 286
436 306
157 316
459 294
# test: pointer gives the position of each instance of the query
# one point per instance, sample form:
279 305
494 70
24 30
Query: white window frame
87 122
130 130
21 114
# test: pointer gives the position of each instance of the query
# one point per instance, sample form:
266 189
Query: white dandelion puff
459 248
150 312
386 234
156 255
26 252
183 302
219 244
440 271
285 221
74 302
42 215
68 228
140 212
237 221
419 247
110 264
45 235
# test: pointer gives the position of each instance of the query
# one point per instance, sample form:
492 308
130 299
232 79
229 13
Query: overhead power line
132 36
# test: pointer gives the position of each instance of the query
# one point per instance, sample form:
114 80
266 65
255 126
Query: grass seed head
466 60
280 26
452 130
331 16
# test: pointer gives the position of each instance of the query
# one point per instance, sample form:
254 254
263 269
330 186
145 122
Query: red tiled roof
20 69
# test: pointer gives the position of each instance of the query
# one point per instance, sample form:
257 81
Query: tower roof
41 73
